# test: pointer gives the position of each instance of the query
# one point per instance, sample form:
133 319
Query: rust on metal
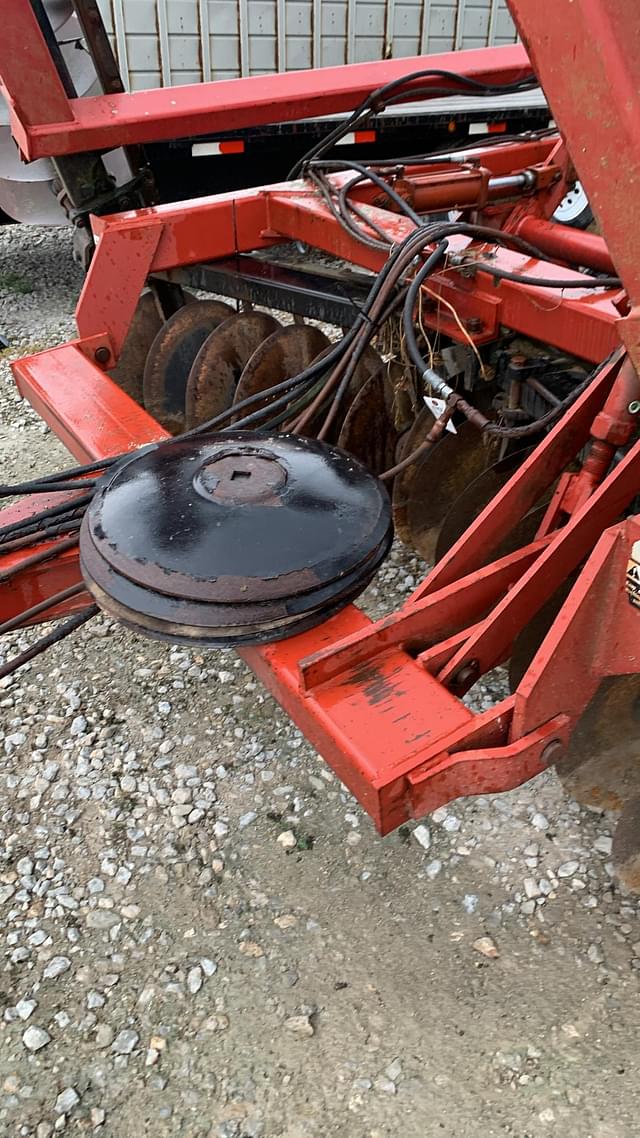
602 763
369 430
285 353
626 844
215 372
171 358
423 492
472 500
144 328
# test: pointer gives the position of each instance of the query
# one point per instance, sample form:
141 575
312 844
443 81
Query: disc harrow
489 380
203 361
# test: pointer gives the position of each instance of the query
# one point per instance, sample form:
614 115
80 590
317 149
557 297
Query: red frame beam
161 238
45 124
394 734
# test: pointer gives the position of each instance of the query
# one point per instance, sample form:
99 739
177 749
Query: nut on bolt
634 407
552 753
467 674
102 355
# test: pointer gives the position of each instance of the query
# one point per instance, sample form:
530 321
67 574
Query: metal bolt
634 407
102 355
474 324
552 752
466 674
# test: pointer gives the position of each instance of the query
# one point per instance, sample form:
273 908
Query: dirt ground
215 941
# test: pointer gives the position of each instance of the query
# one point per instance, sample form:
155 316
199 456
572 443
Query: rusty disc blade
220 362
284 354
424 492
626 844
601 766
369 365
171 357
472 501
368 430
143 330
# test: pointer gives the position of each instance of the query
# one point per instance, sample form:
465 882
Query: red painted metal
524 489
94 426
377 721
44 123
492 642
28 78
598 636
567 244
379 699
164 237
394 734
594 99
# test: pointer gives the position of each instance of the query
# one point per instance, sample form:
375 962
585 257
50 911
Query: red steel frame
382 700
45 122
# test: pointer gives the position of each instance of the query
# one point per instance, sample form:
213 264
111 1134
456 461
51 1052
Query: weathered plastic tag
436 407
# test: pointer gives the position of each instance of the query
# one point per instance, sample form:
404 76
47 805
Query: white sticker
633 575
437 407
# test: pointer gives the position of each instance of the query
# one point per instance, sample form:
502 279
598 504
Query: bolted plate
220 362
171 357
233 538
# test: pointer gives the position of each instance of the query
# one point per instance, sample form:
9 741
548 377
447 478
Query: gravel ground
202 934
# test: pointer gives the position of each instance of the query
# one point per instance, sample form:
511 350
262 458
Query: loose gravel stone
104 1035
568 868
125 1042
194 980
25 1008
66 1100
487 947
35 1038
422 835
102 919
300 1026
56 967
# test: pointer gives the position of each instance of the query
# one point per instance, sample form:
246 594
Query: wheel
574 209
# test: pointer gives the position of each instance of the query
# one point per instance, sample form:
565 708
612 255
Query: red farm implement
527 331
